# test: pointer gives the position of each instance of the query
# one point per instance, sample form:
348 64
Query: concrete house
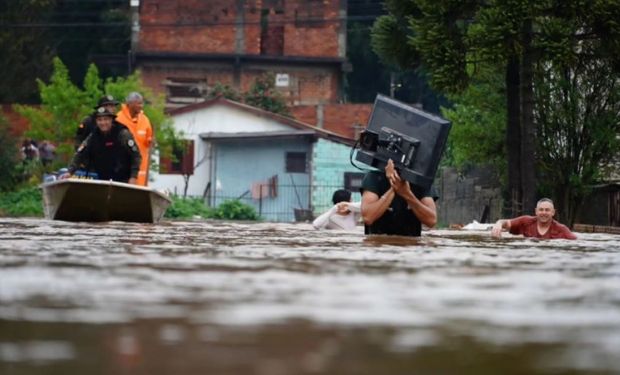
284 168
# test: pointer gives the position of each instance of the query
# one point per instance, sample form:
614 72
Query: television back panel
432 132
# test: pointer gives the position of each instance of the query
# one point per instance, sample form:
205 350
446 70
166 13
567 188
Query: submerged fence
285 203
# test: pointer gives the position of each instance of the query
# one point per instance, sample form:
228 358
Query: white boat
96 200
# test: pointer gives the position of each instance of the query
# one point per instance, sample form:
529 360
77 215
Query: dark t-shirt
528 227
398 219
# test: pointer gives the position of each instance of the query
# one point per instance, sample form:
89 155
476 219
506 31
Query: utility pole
393 84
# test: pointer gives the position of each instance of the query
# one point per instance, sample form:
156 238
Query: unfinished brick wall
344 119
187 26
154 76
307 86
283 28
199 39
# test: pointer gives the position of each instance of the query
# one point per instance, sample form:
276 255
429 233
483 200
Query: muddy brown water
265 298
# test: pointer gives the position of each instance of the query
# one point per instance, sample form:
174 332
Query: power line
187 24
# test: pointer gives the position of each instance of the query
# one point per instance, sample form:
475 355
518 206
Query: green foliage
571 112
64 105
220 90
186 208
262 94
478 119
90 29
26 51
409 86
235 210
9 157
389 41
577 113
24 202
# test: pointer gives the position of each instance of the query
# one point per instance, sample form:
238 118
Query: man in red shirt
540 226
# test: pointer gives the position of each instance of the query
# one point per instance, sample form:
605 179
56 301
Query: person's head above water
545 210
341 195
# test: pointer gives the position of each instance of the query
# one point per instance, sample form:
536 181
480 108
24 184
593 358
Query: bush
24 202
191 207
235 210
188 208
9 157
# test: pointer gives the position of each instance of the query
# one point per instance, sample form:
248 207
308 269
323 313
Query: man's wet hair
542 200
341 195
133 96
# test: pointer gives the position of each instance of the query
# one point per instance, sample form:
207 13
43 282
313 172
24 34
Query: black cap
107 99
102 112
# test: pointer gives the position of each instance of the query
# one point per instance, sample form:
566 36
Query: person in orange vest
132 116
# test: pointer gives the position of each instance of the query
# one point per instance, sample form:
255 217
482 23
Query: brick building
183 47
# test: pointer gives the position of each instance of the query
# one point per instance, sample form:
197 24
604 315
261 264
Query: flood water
272 299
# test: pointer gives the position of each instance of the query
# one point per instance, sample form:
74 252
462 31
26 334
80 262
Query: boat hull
96 201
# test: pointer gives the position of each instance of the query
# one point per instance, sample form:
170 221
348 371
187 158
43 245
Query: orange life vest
141 129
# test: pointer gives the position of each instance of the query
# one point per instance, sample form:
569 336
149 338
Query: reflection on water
195 297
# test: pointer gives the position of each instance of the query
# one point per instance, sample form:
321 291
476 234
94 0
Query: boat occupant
89 123
110 151
132 116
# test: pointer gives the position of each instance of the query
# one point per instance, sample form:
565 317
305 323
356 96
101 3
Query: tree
453 39
262 94
578 108
8 157
26 50
408 86
88 32
478 118
220 90
79 32
64 105
449 38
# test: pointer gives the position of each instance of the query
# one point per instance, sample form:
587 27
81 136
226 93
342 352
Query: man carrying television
391 205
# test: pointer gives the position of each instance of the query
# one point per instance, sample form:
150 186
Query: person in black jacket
89 124
109 151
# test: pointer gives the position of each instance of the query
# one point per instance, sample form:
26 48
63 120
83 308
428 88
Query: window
353 181
182 160
272 35
183 91
296 162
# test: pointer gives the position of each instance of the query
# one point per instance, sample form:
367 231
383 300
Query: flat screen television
412 138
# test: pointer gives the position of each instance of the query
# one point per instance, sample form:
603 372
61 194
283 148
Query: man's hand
390 173
496 231
342 207
400 187
133 181
64 176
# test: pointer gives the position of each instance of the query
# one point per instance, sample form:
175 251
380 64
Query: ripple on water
512 291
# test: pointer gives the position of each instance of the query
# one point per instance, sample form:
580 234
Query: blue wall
240 163
330 162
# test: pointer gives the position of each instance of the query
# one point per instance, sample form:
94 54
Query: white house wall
218 119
